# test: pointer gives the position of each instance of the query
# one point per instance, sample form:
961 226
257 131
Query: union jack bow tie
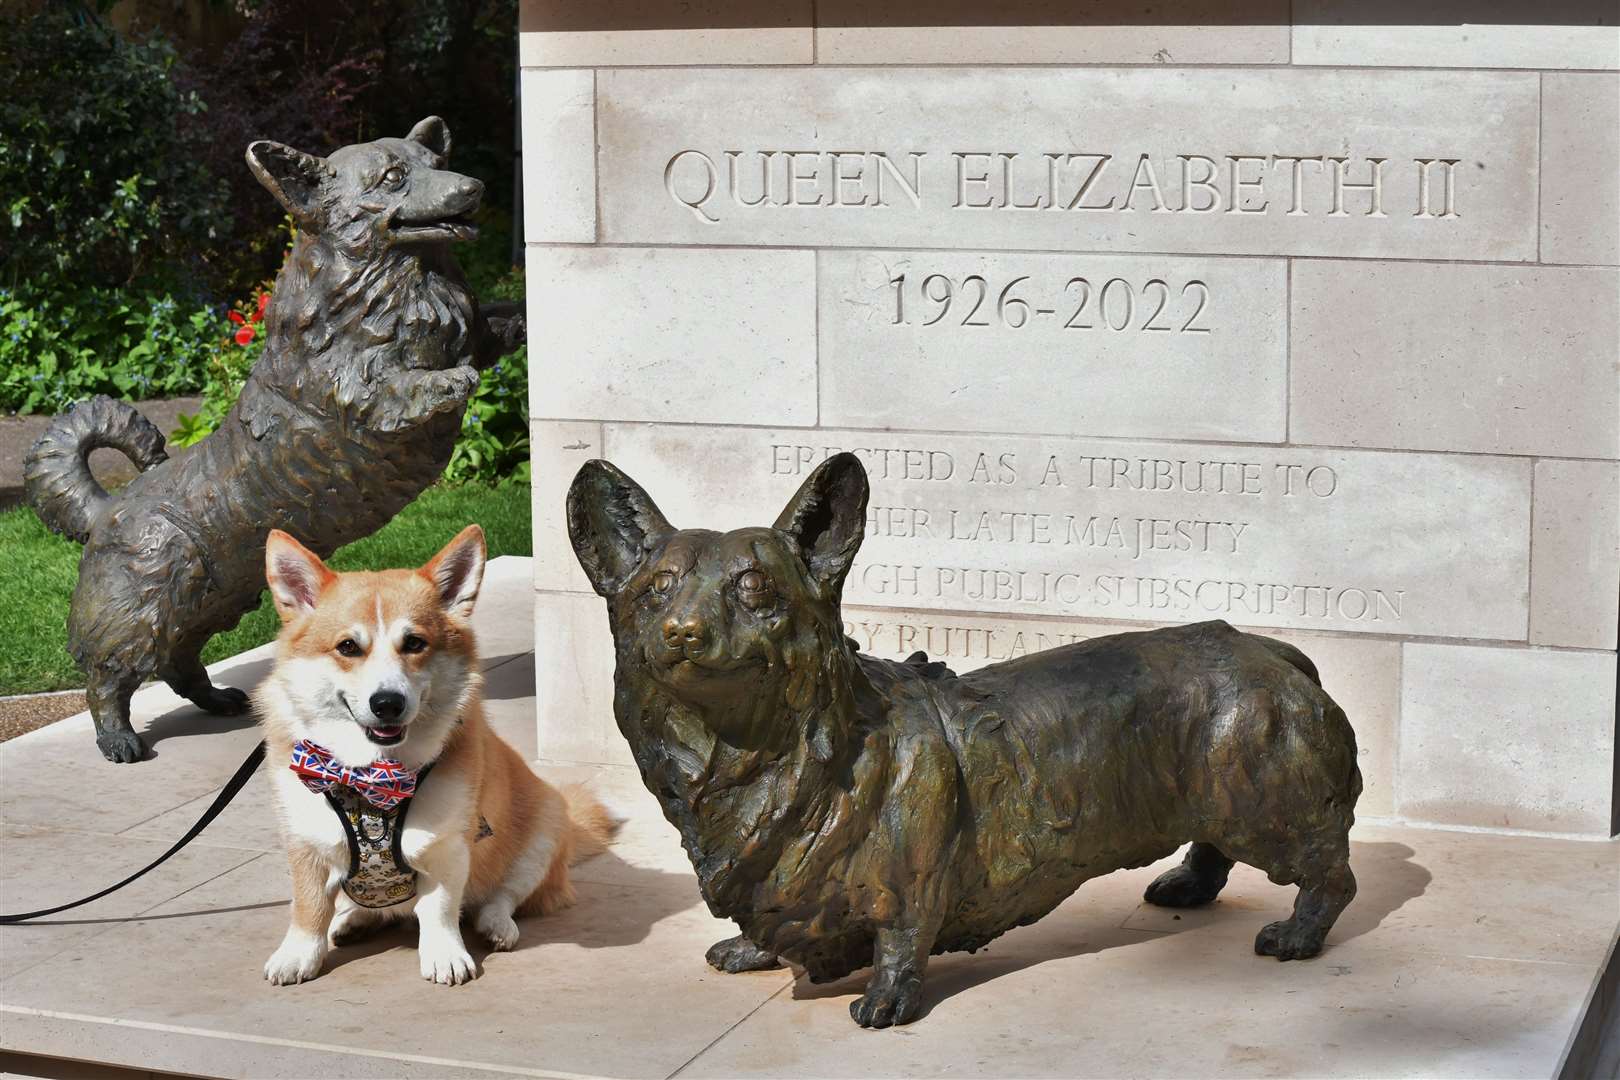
385 783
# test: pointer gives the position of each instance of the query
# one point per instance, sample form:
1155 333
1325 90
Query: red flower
244 335
236 317
264 302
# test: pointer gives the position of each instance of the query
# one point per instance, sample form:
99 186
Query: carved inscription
1127 537
989 341
1319 539
964 644
1116 304
1255 536
1410 164
711 183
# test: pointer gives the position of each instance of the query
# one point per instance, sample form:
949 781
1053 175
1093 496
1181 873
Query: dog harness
371 802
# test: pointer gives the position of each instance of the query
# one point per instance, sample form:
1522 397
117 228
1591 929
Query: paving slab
55 776
1073 997
44 867
577 996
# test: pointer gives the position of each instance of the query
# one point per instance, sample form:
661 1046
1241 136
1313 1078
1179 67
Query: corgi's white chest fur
307 819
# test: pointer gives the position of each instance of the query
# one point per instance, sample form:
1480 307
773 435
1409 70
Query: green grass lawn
38 571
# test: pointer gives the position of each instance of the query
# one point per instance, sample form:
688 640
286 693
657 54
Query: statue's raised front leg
413 396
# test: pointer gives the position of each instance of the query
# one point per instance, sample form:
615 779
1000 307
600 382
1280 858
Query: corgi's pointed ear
457 572
296 575
828 518
613 524
292 176
432 133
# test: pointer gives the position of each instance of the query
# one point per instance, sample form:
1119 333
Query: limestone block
1362 674
1507 738
1492 359
724 337
559 157
560 33
1312 539
1411 164
1575 554
980 342
1050 32
1456 33
573 656
1580 186
557 449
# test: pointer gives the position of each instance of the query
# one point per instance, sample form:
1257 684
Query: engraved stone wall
1439 164
1311 327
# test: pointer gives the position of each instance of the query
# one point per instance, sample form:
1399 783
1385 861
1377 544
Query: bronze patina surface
848 811
375 343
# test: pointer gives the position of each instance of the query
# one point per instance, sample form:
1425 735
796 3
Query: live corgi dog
394 794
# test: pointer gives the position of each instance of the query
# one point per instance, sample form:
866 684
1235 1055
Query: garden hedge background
130 228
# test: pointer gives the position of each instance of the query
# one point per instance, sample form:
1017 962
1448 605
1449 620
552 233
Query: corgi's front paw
449 964
295 961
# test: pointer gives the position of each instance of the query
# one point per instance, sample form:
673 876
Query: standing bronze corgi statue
375 343
848 811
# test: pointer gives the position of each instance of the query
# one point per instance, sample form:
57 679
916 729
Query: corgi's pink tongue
387 732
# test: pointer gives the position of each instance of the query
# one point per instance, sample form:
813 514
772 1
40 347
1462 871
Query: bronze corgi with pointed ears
848 811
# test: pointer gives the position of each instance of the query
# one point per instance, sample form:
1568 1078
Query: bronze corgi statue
375 343
848 811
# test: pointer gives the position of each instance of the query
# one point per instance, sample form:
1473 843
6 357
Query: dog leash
235 784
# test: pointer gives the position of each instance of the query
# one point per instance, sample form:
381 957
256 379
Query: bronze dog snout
685 635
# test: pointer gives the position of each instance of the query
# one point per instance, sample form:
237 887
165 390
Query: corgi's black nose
688 633
387 704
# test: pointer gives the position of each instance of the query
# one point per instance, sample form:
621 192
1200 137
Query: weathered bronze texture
375 342
848 811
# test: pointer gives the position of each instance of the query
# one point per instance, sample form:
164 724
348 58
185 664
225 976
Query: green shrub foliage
58 347
98 186
127 217
494 439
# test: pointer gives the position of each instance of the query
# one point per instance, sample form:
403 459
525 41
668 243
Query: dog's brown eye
663 582
413 644
752 581
394 177
348 647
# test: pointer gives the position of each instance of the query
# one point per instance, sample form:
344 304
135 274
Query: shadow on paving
1401 880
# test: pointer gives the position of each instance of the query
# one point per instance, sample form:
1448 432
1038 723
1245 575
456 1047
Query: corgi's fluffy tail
590 828
593 826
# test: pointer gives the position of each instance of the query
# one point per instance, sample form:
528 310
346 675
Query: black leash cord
222 800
